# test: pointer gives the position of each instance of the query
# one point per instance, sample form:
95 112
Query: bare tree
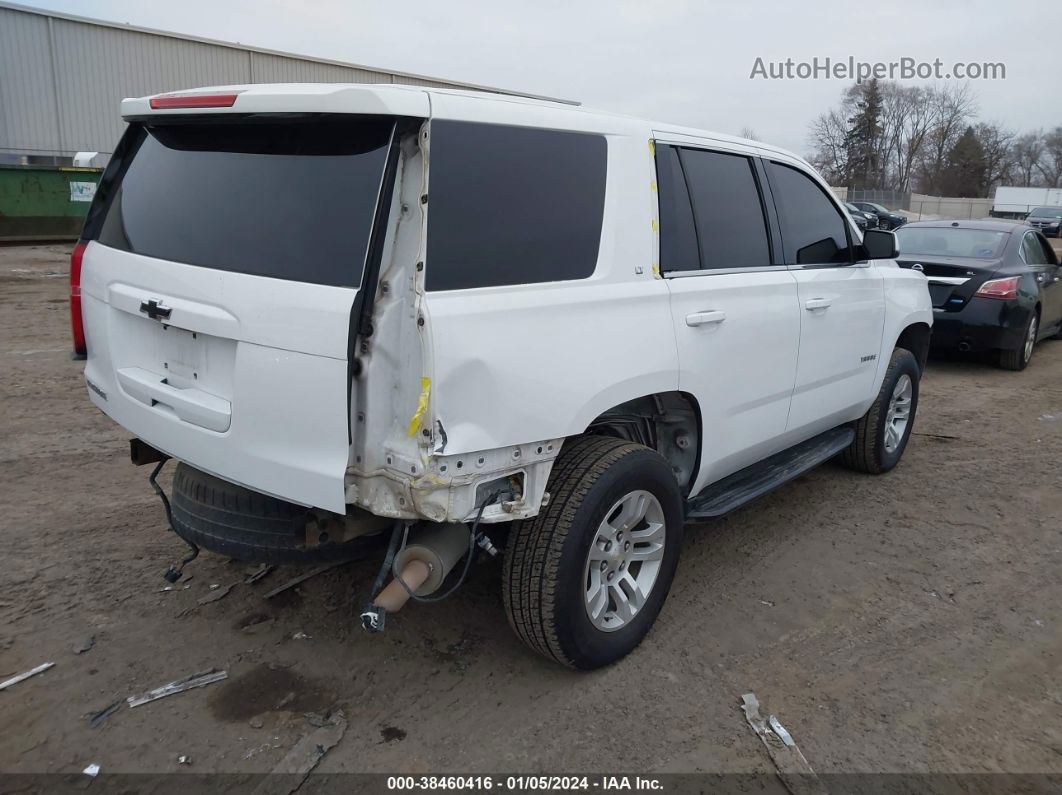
828 139
1050 164
748 132
1027 152
996 143
906 120
951 109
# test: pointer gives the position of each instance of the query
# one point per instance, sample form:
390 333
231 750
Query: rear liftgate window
512 205
291 199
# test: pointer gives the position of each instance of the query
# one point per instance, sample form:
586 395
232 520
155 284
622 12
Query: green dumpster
45 202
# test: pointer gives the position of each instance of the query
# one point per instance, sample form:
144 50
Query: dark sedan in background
864 220
887 219
1047 219
996 286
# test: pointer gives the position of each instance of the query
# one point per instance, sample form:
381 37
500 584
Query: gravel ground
904 623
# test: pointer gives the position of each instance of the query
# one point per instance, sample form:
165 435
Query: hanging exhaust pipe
420 567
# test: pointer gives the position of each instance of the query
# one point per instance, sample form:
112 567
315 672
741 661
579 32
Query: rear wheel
585 579
882 433
1018 359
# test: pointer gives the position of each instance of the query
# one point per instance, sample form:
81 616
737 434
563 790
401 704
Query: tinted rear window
512 205
950 242
289 199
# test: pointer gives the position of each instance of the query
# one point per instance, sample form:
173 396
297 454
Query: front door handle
705 318
817 303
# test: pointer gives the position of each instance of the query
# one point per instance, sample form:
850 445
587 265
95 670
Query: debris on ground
301 636
92 770
293 769
1050 417
301 579
184 760
287 699
169 588
258 573
179 686
793 769
14 680
767 602
96 719
257 722
85 644
216 592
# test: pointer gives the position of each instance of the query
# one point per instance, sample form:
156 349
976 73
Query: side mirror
878 244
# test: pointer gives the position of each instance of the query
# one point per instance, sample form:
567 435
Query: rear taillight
77 324
193 101
1000 288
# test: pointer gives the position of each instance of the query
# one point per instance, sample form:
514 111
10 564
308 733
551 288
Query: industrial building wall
61 80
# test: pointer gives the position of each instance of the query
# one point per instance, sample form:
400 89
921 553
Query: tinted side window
678 237
731 226
813 230
1032 251
512 205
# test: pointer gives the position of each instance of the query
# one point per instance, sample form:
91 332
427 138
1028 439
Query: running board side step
749 483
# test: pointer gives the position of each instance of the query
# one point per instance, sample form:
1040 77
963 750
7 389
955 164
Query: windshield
853 209
1047 212
876 207
289 199
949 242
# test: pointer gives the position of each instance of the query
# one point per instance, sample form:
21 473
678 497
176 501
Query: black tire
544 579
868 452
247 525
1018 359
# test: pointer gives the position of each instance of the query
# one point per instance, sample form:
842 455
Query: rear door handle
817 303
705 318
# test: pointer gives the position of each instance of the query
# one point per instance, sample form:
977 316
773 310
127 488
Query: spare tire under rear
247 525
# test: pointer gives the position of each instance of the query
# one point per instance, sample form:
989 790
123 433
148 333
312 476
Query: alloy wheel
1030 339
899 413
624 560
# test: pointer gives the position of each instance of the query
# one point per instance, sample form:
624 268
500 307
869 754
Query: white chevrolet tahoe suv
437 324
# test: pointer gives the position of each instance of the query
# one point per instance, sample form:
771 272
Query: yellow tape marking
654 225
422 406
652 185
652 146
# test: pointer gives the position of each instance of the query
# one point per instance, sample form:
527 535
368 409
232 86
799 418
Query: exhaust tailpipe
423 564
964 346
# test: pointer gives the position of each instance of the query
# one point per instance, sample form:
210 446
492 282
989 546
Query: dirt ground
904 623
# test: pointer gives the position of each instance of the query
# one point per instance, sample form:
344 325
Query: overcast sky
685 62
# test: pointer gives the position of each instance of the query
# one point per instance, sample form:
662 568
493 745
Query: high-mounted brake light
193 101
77 324
1000 288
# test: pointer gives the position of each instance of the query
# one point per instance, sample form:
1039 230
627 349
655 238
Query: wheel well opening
915 338
668 422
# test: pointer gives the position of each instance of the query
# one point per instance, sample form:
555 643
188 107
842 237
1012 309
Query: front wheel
882 433
585 579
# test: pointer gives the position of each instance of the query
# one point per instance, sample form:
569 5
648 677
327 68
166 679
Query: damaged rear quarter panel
515 365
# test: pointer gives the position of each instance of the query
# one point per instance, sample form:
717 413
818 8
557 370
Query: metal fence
892 199
920 205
